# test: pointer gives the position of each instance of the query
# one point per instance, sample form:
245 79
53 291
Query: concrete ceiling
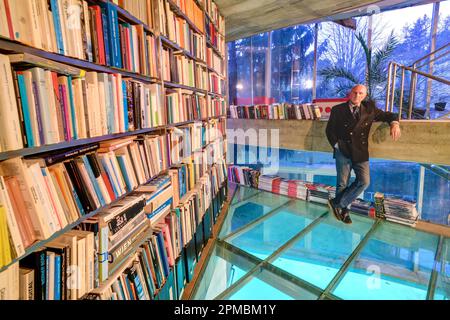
244 18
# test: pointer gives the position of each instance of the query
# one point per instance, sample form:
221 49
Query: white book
9 283
54 198
115 102
13 227
80 108
87 28
26 284
51 24
52 109
87 182
4 28
28 188
44 26
49 212
117 171
28 79
103 189
10 131
89 257
50 275
65 30
40 86
21 20
107 167
103 94
92 97
120 105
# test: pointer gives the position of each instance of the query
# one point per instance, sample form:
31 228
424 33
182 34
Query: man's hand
395 131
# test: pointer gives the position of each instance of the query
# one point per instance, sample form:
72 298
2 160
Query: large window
278 66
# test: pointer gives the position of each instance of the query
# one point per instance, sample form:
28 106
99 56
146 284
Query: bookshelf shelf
209 43
181 14
181 86
175 46
40 244
125 15
63 81
75 143
10 46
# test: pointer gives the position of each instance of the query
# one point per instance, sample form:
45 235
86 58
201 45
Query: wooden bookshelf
8 46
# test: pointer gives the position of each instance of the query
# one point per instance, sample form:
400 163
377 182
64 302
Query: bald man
348 133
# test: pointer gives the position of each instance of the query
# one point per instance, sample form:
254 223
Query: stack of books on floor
318 192
400 211
244 176
276 111
363 207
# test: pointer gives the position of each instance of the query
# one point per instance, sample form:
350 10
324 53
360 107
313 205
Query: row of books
63 270
43 195
192 11
156 258
185 105
213 11
139 51
216 39
81 260
79 29
180 32
44 106
276 111
217 84
141 9
161 263
215 62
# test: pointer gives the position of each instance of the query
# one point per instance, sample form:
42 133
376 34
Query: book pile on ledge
390 208
276 111
396 209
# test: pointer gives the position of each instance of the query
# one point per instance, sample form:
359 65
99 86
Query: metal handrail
390 85
430 54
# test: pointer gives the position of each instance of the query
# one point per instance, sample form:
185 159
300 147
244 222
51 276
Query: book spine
26 110
72 108
57 23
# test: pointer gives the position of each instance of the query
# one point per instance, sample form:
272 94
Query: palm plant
375 76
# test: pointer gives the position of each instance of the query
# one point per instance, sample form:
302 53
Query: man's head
358 94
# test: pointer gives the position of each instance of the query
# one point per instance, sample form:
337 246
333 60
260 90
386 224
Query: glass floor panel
442 291
274 247
395 264
318 256
220 274
267 236
253 206
267 286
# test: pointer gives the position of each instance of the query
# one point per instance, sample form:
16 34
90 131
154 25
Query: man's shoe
334 209
346 216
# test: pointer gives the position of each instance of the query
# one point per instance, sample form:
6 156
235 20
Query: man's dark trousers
345 193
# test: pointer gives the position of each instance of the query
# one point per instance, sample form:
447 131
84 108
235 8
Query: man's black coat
351 135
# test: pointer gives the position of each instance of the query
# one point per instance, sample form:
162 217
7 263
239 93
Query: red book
9 19
99 29
108 186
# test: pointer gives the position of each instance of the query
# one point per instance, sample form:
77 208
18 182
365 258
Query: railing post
412 91
401 94
394 76
388 87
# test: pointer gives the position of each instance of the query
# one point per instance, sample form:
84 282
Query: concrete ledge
421 141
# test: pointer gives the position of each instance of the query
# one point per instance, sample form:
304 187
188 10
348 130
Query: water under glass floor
274 247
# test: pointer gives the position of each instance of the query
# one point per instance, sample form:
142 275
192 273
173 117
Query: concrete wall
421 141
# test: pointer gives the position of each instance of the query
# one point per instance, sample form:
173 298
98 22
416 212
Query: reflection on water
393 178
